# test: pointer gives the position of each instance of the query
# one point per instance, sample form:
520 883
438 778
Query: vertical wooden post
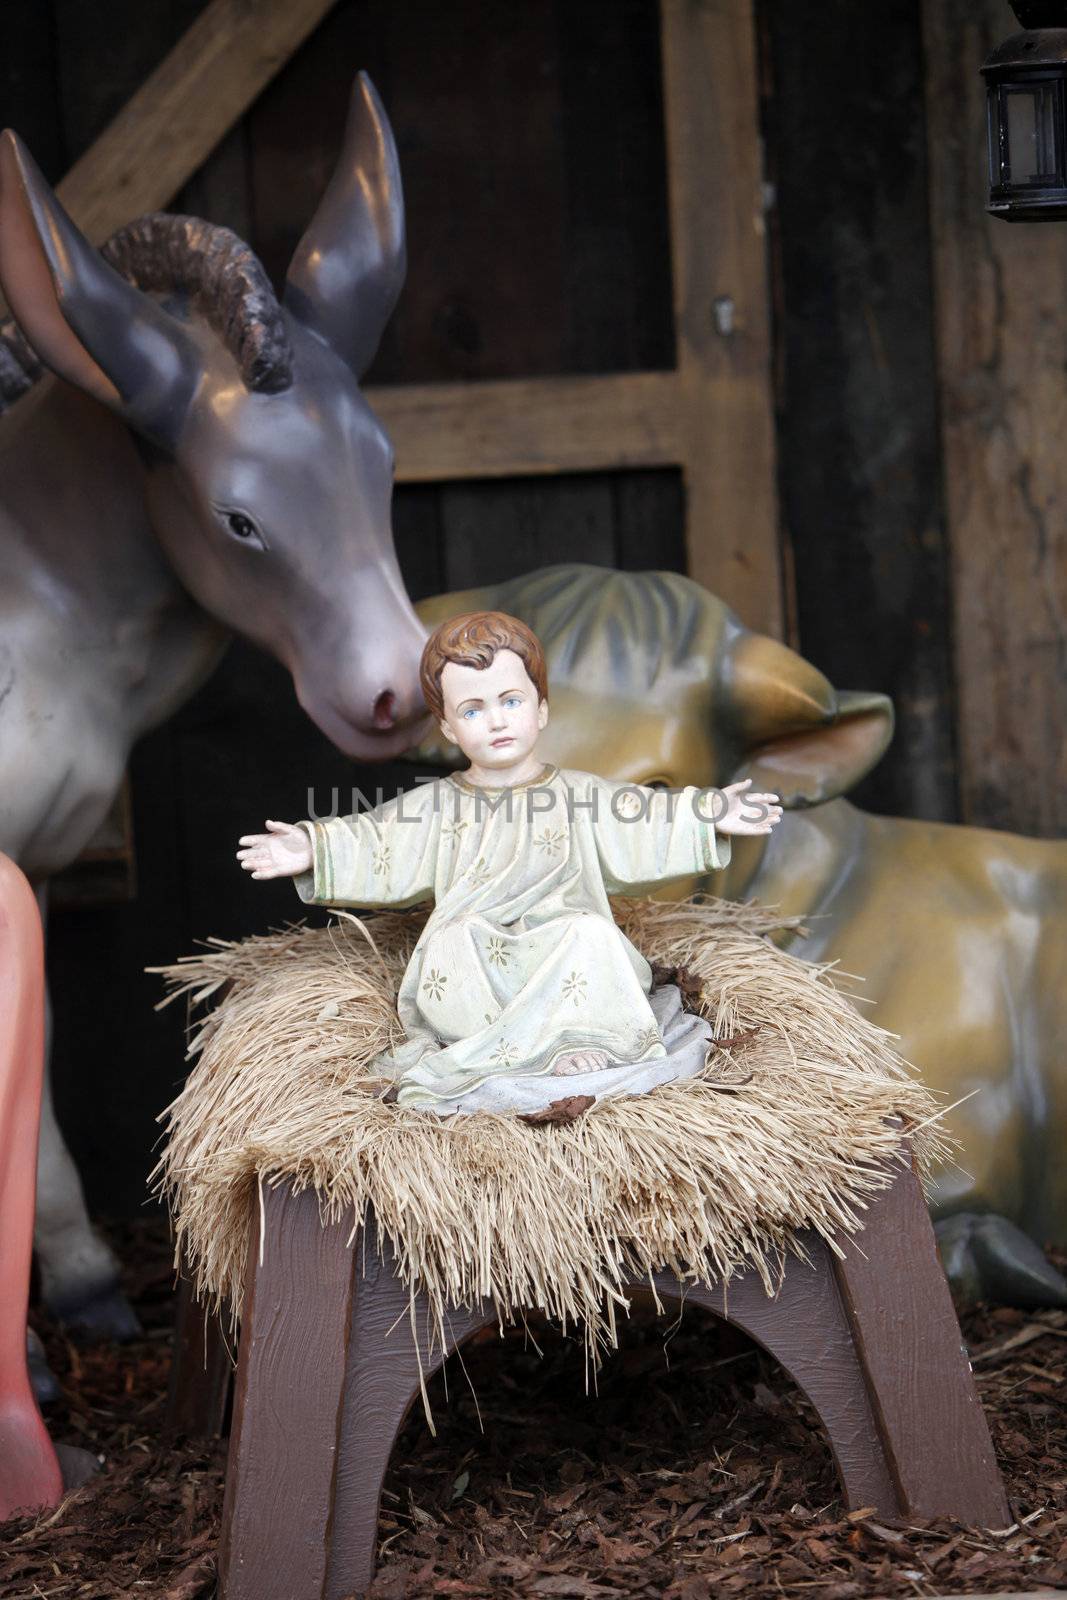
288 1404
1002 360
722 323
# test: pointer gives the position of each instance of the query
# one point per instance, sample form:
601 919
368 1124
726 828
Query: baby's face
492 712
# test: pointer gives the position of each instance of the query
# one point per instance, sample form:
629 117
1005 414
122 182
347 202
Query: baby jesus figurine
520 976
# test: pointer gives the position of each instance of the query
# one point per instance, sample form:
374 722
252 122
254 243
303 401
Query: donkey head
268 477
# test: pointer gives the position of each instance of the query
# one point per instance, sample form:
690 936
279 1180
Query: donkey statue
202 461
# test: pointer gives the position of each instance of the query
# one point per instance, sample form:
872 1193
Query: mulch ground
696 1470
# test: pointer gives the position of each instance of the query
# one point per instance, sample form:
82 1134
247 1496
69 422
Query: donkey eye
242 527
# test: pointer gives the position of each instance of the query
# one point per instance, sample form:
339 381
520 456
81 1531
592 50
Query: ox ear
348 269
81 317
804 740
812 765
808 766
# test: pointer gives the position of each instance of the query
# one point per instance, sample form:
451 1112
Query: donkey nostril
385 709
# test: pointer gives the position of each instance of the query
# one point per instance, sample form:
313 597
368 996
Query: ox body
958 933
201 462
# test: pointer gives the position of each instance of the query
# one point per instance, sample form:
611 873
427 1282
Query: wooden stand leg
287 1405
201 1370
925 1402
329 1368
804 1327
381 1383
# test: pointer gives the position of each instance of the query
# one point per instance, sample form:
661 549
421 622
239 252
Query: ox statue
959 933
201 461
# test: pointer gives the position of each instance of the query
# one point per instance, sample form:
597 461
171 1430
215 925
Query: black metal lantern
1026 80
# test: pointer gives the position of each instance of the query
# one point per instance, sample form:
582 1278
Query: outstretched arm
646 837
384 857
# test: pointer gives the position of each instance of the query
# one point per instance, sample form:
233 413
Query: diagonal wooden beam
167 130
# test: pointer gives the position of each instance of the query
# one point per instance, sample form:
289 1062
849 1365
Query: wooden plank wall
858 423
537 245
922 360
1002 381
173 121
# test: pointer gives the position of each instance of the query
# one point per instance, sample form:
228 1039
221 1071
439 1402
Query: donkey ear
81 317
348 269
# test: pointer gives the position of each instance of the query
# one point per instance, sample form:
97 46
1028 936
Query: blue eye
513 700
470 712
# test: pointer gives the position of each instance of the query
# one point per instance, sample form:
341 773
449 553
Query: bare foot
580 1061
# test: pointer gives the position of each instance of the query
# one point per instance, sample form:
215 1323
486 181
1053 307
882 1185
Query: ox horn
771 690
801 738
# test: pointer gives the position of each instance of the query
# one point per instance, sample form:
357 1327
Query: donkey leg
79 1272
45 1383
30 1474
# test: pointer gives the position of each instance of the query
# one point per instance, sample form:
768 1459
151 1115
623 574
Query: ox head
653 680
269 478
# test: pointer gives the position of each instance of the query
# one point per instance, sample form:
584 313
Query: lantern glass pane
1030 125
998 135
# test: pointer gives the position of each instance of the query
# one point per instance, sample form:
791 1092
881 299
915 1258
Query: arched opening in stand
690 1450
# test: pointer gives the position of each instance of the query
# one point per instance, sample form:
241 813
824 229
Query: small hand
281 853
732 820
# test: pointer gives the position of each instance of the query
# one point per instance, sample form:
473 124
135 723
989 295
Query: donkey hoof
986 1257
101 1317
77 1465
43 1380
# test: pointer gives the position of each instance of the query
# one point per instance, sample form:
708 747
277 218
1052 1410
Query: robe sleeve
646 837
384 857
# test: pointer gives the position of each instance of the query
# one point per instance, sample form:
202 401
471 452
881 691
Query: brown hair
472 641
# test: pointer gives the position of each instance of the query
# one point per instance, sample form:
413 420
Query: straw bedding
785 1130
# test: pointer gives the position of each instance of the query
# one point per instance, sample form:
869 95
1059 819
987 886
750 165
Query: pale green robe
520 960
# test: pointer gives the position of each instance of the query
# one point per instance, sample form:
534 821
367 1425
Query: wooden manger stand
328 1370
